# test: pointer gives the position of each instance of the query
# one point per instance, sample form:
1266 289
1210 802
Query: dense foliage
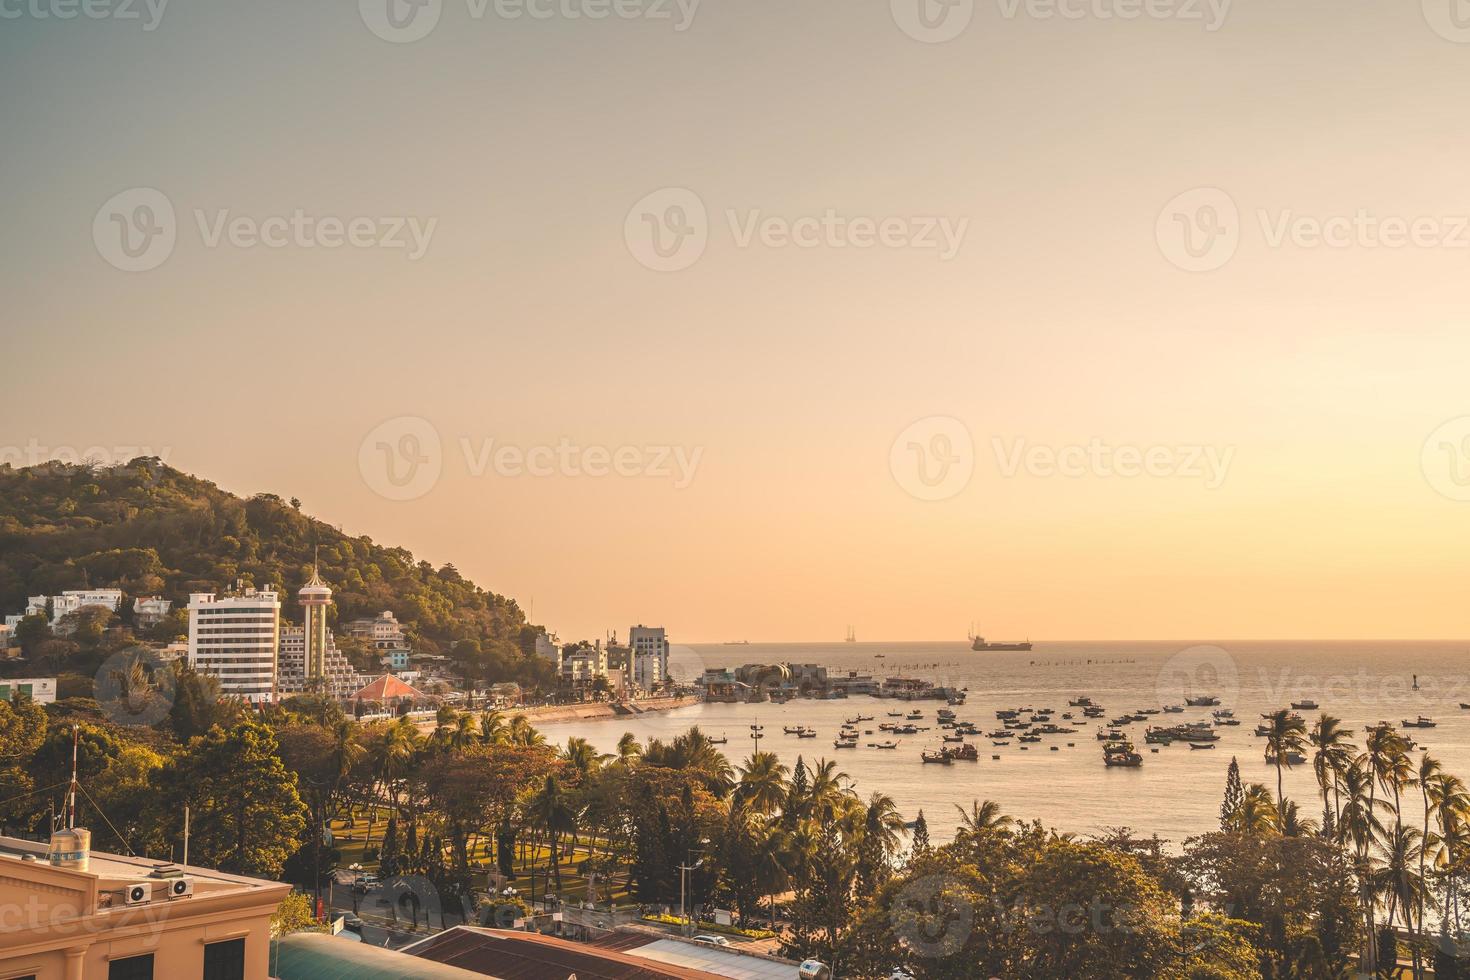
148 529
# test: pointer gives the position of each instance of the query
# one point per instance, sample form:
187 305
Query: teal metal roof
318 956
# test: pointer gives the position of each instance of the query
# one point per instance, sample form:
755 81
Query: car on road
366 883
708 940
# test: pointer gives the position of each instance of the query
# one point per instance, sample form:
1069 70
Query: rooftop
529 956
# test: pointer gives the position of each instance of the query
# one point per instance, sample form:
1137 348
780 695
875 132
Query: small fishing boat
1305 705
1202 745
939 758
1173 709
1420 722
1204 701
882 745
722 740
954 738
1080 702
844 744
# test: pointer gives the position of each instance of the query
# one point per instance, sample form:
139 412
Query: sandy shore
589 712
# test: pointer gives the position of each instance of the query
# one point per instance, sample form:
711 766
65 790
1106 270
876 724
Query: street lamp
684 870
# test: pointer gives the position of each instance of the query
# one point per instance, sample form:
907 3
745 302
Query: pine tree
921 835
388 856
1234 797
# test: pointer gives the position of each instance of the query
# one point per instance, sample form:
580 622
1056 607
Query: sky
1083 319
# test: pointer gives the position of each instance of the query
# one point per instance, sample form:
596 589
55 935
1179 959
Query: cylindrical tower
315 596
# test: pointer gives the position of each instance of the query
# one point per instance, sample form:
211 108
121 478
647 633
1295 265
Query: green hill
151 530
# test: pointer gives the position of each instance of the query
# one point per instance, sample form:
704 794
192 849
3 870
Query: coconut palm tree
983 817
552 812
828 796
583 757
1286 733
493 730
629 751
520 732
1332 744
762 785
1258 815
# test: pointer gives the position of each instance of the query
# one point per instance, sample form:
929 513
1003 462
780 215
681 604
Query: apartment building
236 638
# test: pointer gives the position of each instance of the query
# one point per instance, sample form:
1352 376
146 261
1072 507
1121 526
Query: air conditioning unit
138 893
180 888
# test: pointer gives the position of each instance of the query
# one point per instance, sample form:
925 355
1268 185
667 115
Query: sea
1062 781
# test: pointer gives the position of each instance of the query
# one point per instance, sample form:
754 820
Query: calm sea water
1177 791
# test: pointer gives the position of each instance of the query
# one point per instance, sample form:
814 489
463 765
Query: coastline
594 712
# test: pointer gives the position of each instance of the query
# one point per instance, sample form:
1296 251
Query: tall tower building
235 638
315 596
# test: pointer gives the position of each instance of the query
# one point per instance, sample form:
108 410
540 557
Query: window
225 961
132 968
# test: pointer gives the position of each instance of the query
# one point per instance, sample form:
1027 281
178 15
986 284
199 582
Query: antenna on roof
71 790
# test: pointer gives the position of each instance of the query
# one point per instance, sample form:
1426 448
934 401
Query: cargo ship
978 643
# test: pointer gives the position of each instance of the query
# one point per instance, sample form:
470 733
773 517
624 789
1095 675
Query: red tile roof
386 688
529 956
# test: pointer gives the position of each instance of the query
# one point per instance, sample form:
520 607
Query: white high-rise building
650 655
236 638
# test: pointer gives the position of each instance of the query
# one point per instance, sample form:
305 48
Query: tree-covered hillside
149 529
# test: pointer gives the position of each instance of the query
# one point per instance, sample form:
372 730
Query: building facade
236 638
151 610
650 646
78 914
42 690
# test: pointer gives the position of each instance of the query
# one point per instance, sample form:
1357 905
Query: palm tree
1333 745
552 812
392 754
520 732
1451 802
828 798
583 757
1398 877
983 817
629 751
762 785
1258 815
493 729
1286 733
1360 826
1295 825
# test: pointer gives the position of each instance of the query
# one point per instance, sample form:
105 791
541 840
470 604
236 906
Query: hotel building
235 638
